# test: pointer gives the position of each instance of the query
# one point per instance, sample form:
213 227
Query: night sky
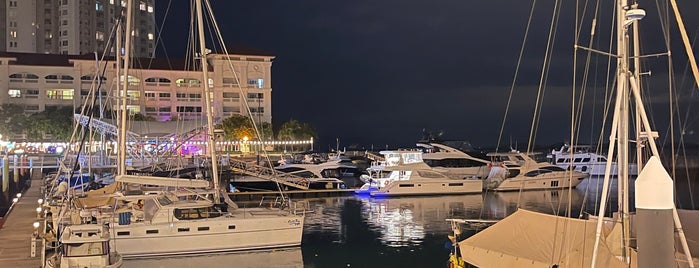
379 72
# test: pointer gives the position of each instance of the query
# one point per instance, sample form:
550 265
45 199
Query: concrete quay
17 231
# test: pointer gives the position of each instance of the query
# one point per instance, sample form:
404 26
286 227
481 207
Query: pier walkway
16 232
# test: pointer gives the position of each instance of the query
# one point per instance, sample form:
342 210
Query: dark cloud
378 72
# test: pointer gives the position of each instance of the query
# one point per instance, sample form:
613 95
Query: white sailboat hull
228 233
539 183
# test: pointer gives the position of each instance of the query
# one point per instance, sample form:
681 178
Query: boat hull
229 233
429 187
526 183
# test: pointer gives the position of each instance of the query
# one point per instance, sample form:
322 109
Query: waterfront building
164 89
72 27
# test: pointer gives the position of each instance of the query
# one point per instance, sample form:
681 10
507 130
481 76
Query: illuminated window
133 81
188 82
142 6
133 95
59 94
150 36
133 109
99 36
15 93
150 9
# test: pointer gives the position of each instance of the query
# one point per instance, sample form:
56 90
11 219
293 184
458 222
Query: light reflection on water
351 231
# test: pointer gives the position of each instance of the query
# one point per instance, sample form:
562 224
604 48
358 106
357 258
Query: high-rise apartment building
73 27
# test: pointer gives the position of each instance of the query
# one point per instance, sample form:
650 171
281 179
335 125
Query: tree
294 130
57 121
12 120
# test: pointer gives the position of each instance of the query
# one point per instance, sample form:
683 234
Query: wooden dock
17 231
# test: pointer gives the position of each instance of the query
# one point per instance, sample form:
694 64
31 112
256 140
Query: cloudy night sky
379 72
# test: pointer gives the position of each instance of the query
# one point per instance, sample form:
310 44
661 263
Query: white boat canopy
539 240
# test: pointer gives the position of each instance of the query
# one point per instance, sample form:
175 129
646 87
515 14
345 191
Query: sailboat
195 221
531 239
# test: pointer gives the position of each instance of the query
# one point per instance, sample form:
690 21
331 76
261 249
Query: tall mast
121 161
623 137
211 146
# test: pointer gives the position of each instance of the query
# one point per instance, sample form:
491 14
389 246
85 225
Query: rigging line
516 74
584 84
685 41
541 78
159 31
546 76
244 97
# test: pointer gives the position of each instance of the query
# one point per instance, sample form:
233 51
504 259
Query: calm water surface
353 231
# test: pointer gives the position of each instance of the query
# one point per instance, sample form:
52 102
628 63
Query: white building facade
73 27
40 81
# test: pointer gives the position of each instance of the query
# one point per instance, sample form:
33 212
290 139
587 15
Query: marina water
357 231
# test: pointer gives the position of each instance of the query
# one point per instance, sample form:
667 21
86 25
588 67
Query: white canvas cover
532 239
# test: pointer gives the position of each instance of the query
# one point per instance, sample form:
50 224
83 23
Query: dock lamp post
38 212
35 237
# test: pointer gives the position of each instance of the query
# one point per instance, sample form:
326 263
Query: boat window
164 201
429 174
183 229
203 228
456 184
406 185
330 173
553 168
231 227
601 159
123 233
578 160
512 172
305 174
83 249
151 231
195 213
586 159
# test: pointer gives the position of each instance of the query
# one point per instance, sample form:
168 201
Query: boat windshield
164 200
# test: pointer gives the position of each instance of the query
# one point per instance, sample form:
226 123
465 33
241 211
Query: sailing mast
121 159
211 146
654 200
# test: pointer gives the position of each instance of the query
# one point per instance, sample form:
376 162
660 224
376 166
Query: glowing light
36 225
14 200
19 195
38 210
40 201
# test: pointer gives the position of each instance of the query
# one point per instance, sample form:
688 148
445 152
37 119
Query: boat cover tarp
532 239
94 201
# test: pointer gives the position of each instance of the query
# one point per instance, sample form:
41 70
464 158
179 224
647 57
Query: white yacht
453 162
584 159
404 173
514 171
85 245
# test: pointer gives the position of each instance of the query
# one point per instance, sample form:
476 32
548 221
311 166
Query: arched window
89 78
24 77
157 81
